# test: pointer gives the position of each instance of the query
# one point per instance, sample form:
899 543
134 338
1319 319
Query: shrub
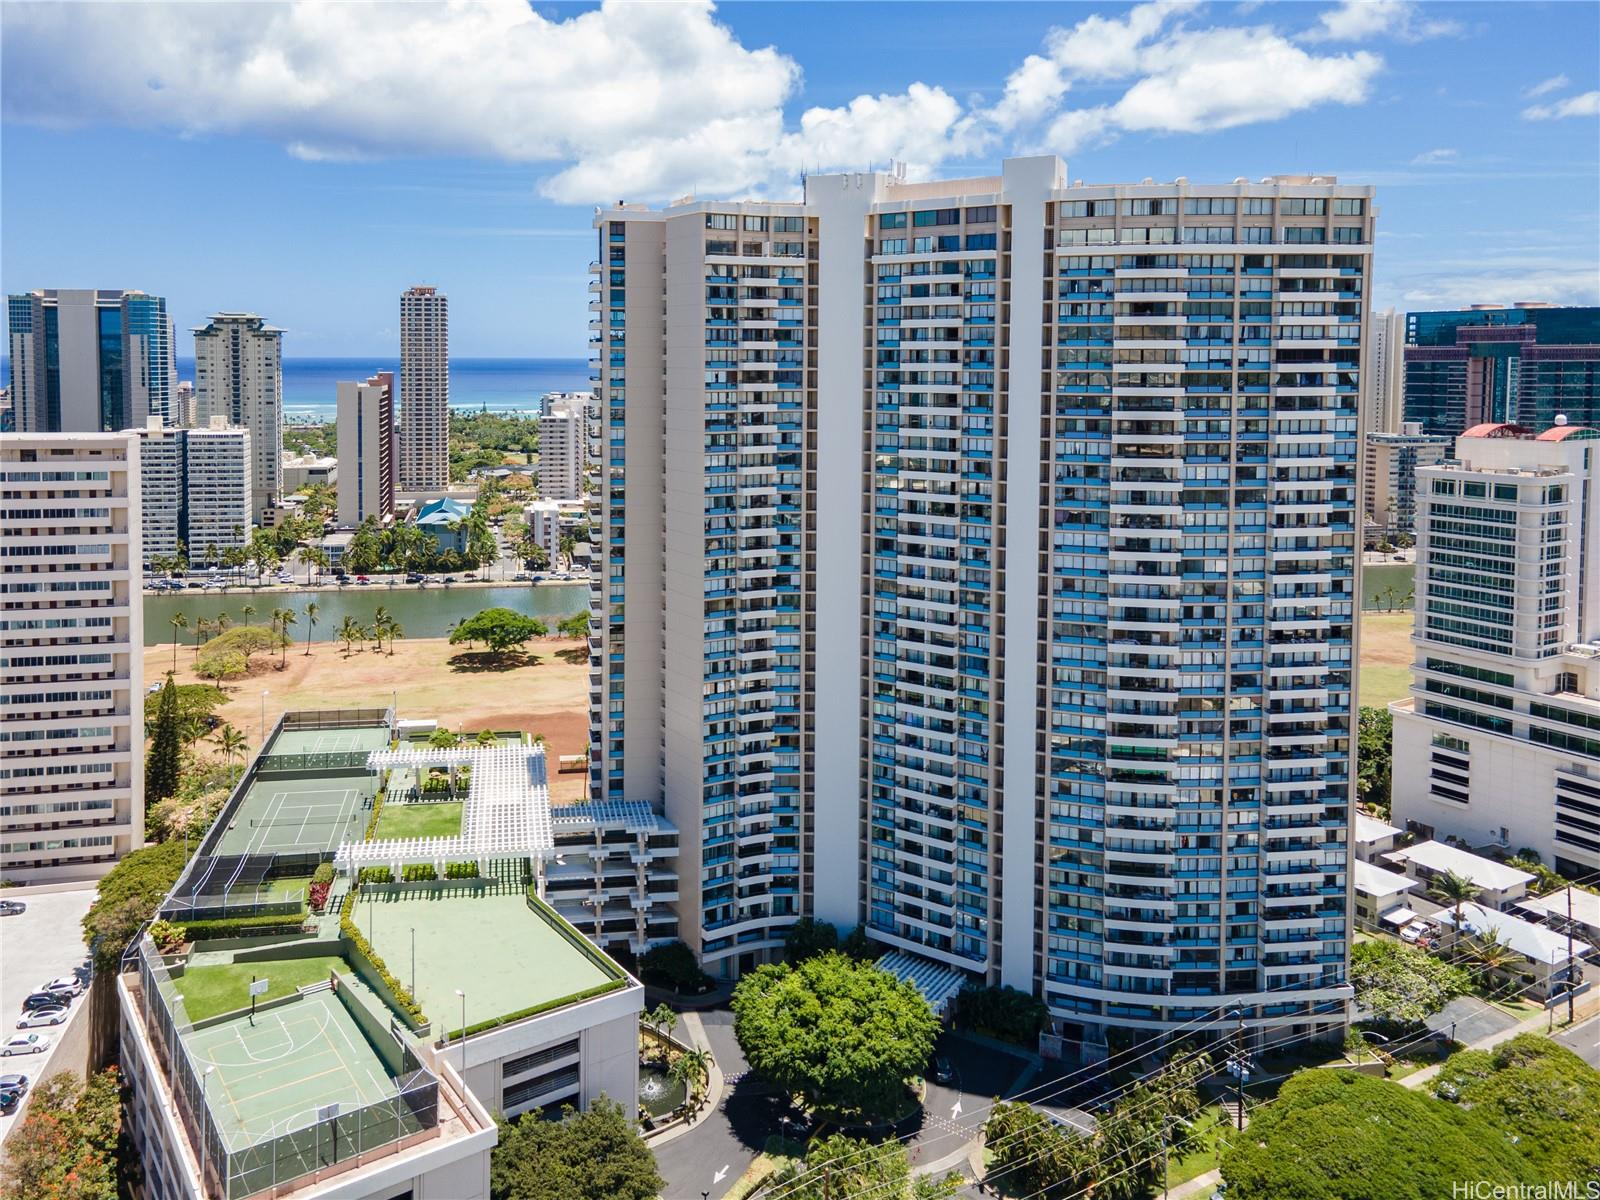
127 897
375 875
323 873
228 927
1002 1012
461 870
348 929
167 936
418 873
673 966
318 896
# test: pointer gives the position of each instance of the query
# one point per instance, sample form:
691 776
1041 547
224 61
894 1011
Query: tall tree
313 610
248 611
351 631
286 618
846 1168
594 1155
179 622
500 629
165 761
231 742
1456 891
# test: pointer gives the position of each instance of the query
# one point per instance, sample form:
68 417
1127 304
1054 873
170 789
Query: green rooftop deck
506 956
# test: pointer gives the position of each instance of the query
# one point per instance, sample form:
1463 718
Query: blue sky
309 161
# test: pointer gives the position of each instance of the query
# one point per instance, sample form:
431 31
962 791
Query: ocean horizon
506 385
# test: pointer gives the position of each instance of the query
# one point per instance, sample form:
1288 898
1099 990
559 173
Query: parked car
449 578
24 1043
194 583
12 1089
37 1000
44 1016
941 1071
67 985
12 908
414 577
1414 932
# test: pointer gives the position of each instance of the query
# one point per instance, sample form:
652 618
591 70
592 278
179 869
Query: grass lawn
208 991
290 887
1211 1130
1386 654
418 820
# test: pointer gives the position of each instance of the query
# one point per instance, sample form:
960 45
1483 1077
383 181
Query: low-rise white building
1374 838
1570 907
71 655
1381 894
1540 969
1499 886
303 470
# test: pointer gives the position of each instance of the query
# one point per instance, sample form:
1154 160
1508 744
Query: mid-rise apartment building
1499 742
71 655
979 564
562 444
1528 364
1389 476
424 390
239 377
1383 385
366 443
195 486
85 361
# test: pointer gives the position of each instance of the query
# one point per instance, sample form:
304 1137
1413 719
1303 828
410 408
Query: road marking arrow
955 1110
720 1175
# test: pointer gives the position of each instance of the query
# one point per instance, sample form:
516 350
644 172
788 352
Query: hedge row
348 928
377 809
599 989
221 927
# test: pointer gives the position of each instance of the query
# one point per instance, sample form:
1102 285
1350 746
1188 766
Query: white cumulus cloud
1554 84
1359 20
1586 105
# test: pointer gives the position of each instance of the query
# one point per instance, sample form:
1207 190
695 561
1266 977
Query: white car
1414 932
68 985
43 1016
25 1043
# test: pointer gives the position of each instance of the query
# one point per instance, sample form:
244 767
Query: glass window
1258 206
982 214
1156 206
721 221
1347 206
1209 206
1348 235
756 224
892 221
793 224
1302 206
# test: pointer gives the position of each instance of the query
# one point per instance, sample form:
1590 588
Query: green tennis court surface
281 813
330 741
298 1058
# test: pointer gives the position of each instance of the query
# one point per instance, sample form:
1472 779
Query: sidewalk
1586 1006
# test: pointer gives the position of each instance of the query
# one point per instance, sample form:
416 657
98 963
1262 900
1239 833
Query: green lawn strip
418 820
1210 1131
1380 683
289 887
208 991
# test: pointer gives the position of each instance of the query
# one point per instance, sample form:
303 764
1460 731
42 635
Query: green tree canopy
843 1034
66 1146
500 629
1401 985
846 1168
575 626
808 938
196 702
1374 758
165 758
594 1155
127 897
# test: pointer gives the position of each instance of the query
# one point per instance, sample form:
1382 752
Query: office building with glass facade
1527 364
978 564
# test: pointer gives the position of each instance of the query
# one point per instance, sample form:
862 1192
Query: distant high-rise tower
365 413
562 439
195 485
1384 383
90 361
238 368
424 389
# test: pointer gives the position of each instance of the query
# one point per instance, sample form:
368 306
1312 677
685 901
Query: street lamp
463 996
413 960
263 718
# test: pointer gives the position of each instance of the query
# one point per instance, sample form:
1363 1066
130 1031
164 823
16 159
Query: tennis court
330 741
266 1075
284 813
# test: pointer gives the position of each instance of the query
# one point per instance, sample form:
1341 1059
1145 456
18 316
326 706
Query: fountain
659 1093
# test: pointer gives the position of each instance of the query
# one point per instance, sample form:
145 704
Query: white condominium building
1384 387
239 377
71 656
195 488
1499 742
366 444
562 440
424 390
979 563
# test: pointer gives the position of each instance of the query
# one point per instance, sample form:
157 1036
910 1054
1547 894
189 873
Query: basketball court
263 1075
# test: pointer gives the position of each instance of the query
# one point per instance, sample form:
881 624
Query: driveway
1583 1039
1470 1019
727 1140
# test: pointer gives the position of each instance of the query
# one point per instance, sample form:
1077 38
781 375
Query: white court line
355 1056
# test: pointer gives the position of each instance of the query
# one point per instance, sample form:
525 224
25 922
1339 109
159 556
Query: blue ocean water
498 384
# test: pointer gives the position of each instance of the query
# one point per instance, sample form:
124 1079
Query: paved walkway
714 1081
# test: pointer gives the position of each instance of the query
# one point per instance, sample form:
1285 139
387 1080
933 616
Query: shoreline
378 584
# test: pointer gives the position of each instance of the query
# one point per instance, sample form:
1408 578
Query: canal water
423 613
1378 579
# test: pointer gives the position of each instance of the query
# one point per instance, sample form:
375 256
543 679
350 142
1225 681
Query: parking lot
42 944
1468 1019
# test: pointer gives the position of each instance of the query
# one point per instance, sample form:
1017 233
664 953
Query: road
727 1140
1584 1040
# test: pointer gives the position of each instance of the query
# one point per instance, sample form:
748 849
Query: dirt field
427 677
1386 654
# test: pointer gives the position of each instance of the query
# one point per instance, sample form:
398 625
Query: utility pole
1238 1079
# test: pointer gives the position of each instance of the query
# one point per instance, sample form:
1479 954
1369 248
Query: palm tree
249 610
179 621
691 1067
394 630
286 617
231 741
350 632
312 611
1456 891
380 625
1488 953
314 556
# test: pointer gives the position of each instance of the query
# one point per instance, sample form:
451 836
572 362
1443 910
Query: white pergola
506 813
